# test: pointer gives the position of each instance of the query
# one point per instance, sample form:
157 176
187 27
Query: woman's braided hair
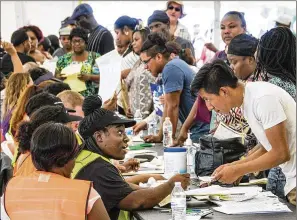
277 55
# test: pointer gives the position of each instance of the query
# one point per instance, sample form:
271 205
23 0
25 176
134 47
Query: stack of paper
264 202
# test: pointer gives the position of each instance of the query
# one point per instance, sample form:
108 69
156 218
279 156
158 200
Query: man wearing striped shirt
100 39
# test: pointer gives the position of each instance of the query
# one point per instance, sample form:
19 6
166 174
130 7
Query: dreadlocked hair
155 43
277 55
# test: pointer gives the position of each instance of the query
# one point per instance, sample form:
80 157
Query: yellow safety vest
85 158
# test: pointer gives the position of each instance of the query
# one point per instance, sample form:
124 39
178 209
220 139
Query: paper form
71 72
110 74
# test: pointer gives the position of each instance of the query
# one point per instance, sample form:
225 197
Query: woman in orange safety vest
49 193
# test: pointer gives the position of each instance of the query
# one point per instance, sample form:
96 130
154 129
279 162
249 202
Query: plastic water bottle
191 151
152 128
167 132
138 118
178 202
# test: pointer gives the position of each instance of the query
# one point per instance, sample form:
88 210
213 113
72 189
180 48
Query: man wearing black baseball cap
100 39
21 42
105 139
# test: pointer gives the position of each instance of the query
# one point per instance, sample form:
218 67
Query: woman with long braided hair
276 63
276 59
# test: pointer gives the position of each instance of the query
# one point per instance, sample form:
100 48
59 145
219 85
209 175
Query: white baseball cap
65 31
284 19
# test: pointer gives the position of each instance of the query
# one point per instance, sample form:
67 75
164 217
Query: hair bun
91 103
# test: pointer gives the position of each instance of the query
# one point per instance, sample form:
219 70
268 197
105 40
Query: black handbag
214 152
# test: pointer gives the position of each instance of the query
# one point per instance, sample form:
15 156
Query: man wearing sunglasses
159 22
175 11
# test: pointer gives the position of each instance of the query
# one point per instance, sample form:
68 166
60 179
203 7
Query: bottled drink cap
177 183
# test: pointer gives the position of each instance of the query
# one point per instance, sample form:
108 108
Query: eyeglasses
176 9
145 62
79 41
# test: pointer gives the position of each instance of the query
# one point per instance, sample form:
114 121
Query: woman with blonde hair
19 114
16 84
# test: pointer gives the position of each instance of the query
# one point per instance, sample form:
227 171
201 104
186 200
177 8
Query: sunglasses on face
176 9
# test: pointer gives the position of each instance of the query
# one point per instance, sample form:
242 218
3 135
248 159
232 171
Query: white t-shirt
266 105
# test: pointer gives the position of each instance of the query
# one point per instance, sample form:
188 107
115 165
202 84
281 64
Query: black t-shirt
108 183
6 63
100 41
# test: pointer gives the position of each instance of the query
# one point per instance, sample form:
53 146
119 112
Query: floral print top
89 67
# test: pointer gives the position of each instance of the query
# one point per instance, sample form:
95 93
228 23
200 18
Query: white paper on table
224 132
110 74
264 202
132 173
218 190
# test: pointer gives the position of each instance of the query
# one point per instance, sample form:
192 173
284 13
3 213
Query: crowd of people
67 143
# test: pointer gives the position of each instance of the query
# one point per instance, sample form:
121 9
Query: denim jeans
198 130
276 182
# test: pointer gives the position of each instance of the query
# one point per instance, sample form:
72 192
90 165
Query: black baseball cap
111 118
87 128
43 99
59 113
64 116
